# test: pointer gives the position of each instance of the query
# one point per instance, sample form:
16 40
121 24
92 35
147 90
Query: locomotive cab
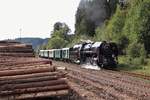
74 53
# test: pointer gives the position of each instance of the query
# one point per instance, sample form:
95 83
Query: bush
135 50
123 42
136 53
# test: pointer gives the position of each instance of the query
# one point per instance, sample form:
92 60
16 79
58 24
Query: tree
59 37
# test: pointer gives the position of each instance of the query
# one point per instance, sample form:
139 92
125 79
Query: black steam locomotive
103 54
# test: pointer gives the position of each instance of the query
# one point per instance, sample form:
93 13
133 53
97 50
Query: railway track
109 82
137 75
108 85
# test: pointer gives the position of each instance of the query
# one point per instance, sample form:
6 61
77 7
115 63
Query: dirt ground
89 84
104 84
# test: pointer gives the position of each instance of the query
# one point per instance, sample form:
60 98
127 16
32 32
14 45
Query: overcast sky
35 17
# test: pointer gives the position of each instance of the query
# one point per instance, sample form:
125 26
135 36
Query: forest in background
126 24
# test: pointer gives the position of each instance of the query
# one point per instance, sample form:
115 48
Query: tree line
100 20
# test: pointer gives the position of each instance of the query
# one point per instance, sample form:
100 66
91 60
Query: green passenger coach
51 53
57 53
65 53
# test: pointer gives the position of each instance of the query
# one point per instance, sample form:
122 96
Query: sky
34 18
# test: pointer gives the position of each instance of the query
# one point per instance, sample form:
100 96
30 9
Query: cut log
36 89
32 84
36 95
25 66
26 62
26 71
28 80
17 54
6 78
25 50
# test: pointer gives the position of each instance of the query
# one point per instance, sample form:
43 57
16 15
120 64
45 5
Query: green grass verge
125 65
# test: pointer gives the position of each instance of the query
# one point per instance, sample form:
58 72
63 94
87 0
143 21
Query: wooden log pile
32 83
15 49
30 78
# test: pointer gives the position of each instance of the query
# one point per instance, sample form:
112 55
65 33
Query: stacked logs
29 82
30 78
15 49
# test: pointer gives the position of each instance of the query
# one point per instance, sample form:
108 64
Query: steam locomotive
103 54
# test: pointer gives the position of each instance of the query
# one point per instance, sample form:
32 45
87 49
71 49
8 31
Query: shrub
136 53
136 50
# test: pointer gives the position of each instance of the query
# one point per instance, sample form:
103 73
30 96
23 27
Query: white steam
89 66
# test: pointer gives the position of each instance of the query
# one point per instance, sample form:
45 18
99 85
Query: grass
135 67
